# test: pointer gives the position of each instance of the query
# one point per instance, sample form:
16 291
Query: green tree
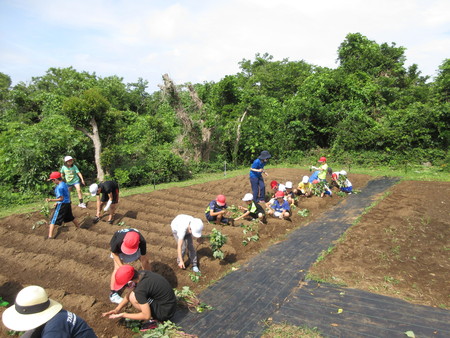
86 112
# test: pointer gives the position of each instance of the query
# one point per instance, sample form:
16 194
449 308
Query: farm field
75 268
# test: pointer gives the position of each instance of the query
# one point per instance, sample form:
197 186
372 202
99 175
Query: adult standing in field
63 206
72 175
127 245
256 179
184 227
43 317
150 293
110 196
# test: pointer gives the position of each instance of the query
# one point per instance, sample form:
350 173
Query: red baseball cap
130 243
221 200
123 275
322 159
54 175
273 184
279 194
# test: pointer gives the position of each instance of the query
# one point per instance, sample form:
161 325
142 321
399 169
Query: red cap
279 194
221 200
123 275
315 181
273 184
322 159
54 175
130 243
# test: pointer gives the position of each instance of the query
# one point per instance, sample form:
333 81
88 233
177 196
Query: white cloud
204 40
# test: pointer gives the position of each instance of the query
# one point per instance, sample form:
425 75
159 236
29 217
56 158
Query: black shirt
117 240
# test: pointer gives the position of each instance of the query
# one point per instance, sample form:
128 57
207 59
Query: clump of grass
286 330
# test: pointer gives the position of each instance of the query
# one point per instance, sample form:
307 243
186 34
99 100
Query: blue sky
197 41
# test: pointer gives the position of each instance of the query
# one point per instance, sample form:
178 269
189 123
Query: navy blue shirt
64 324
257 164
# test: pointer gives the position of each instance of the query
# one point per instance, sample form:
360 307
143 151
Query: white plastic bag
107 205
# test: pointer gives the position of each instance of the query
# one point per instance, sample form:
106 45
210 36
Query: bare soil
400 248
404 238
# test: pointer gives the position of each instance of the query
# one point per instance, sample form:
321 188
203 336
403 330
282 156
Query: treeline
370 110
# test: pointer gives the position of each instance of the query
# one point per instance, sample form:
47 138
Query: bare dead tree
198 137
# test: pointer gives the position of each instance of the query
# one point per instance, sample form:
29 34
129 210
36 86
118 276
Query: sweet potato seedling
216 241
188 299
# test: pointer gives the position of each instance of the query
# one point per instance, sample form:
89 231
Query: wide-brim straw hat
31 309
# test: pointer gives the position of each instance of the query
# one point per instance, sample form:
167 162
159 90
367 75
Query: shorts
62 214
214 218
347 189
115 194
73 184
279 213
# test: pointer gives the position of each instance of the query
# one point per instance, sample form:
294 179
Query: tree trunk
200 141
95 137
238 137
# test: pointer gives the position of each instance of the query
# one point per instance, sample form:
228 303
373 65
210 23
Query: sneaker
149 325
115 298
82 205
195 269
111 222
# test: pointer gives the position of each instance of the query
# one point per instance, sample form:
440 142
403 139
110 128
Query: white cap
305 179
68 158
248 197
343 172
289 184
196 227
32 308
93 188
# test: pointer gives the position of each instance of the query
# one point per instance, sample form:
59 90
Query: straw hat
31 309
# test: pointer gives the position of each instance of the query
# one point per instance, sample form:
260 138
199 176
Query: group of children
283 196
129 245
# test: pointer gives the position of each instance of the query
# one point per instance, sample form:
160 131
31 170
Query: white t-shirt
180 224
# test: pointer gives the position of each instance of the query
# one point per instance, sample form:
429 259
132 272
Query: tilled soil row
75 267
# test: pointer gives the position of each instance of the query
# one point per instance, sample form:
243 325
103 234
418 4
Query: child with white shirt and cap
184 228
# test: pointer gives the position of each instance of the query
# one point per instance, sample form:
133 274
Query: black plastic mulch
245 298
343 312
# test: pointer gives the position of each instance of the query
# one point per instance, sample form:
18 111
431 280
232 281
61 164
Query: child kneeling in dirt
305 187
216 210
127 245
340 180
253 210
289 193
149 293
280 207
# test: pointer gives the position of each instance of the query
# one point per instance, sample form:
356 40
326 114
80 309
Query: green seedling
233 211
251 232
38 224
195 277
3 303
165 329
133 325
216 241
187 298
45 210
303 212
